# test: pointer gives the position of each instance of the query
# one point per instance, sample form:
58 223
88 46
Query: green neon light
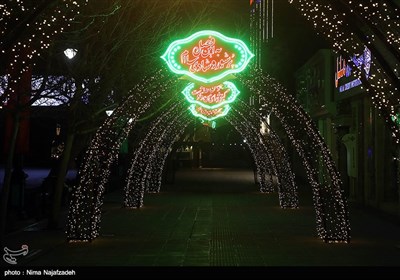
396 119
187 92
224 112
202 45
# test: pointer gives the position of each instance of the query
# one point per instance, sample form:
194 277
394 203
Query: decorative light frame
234 93
175 47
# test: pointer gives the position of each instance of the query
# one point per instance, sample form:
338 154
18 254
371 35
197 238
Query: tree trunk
54 216
7 180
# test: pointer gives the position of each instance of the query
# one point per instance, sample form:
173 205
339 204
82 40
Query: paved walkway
213 218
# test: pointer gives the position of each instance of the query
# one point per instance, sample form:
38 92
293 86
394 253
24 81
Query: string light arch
141 163
159 156
86 200
275 150
350 25
329 201
85 214
139 177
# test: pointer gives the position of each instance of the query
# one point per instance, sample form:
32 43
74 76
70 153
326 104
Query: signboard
344 80
209 115
207 56
209 59
211 97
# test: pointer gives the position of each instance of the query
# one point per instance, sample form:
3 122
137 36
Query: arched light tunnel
268 154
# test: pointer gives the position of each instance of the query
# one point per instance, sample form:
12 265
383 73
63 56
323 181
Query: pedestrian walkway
28 201
213 217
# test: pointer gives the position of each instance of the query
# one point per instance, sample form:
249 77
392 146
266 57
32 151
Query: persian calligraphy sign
208 58
211 97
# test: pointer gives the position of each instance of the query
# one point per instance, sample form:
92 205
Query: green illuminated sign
211 97
396 118
209 115
207 56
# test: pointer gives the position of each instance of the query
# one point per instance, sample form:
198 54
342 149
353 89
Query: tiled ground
214 218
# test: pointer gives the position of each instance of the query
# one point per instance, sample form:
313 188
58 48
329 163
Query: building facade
360 142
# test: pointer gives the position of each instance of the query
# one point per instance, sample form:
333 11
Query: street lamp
70 53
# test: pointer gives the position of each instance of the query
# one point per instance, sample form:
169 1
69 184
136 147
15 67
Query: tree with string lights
27 29
353 25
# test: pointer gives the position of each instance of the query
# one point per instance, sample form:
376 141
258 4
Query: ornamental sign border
175 46
225 111
231 86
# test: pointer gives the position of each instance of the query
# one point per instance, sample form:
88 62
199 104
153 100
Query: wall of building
356 134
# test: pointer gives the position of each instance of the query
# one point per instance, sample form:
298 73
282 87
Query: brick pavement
213 218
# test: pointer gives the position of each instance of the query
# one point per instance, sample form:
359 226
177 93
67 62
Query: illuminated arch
351 26
139 175
329 202
85 210
287 190
87 198
136 178
155 167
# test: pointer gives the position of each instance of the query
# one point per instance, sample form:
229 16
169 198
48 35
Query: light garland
277 155
159 156
87 199
332 223
329 201
27 29
352 25
264 164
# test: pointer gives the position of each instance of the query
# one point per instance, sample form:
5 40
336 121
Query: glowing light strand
287 189
86 201
331 210
136 177
217 101
263 162
159 157
379 30
25 37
